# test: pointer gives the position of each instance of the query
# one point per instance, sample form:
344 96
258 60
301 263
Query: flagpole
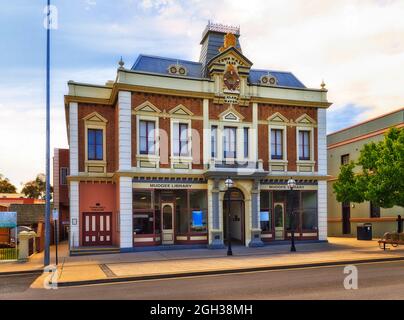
47 205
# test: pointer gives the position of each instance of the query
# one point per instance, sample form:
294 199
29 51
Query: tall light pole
47 174
291 186
229 184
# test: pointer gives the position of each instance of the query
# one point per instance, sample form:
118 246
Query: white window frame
156 156
284 142
176 159
239 140
311 130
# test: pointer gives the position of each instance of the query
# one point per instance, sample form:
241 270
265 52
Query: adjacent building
344 146
149 152
61 190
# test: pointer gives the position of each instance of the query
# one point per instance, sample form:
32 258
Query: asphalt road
376 281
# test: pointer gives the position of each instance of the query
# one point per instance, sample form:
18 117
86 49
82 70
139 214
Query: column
124 129
74 171
322 210
254 135
255 218
74 214
322 170
125 164
126 215
322 141
216 233
206 132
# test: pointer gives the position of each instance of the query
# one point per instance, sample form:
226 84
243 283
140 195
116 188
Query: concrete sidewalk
177 263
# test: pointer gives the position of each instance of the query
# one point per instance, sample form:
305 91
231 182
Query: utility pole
47 205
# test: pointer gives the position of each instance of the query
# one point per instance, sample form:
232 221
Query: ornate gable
148 107
95 117
305 119
277 117
181 110
232 115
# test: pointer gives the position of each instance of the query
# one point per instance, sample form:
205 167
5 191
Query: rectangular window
143 223
180 139
246 142
64 172
266 211
213 141
229 142
304 145
95 144
276 144
142 200
345 159
309 210
374 210
147 137
198 207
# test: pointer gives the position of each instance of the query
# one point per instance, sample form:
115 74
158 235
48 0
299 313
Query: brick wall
107 112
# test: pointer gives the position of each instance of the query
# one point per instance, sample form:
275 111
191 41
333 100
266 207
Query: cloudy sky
356 46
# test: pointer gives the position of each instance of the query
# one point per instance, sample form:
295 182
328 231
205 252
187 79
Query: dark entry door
97 230
346 218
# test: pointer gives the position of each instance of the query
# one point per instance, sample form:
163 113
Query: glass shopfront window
143 214
190 210
143 223
303 204
198 207
309 210
266 211
142 200
181 212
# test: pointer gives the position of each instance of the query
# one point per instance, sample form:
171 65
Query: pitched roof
283 78
160 65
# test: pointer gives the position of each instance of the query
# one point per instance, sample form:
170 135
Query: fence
8 254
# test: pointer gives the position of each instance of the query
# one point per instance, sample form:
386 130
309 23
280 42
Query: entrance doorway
279 214
346 218
97 230
234 207
167 223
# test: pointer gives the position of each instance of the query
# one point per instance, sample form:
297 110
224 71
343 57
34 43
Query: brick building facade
149 152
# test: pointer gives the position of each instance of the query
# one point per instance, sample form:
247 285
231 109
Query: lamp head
291 183
229 183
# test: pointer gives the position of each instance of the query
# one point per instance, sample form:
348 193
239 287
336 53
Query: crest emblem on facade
231 78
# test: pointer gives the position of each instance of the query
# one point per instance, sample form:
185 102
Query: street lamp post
291 186
229 184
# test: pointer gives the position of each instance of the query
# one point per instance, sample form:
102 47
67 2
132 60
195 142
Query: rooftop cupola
213 41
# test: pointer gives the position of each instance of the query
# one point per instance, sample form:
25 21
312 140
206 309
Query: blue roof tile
160 65
283 78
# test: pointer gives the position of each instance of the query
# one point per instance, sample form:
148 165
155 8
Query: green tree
6 186
381 173
36 189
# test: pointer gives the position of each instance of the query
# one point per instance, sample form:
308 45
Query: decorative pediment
305 119
147 107
231 114
277 117
231 56
95 117
181 110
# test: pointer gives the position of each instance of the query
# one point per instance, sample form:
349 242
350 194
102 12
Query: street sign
55 214
8 219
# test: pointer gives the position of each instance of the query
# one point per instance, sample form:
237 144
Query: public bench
391 238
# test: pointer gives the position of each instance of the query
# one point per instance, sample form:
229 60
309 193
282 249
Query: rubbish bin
364 231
